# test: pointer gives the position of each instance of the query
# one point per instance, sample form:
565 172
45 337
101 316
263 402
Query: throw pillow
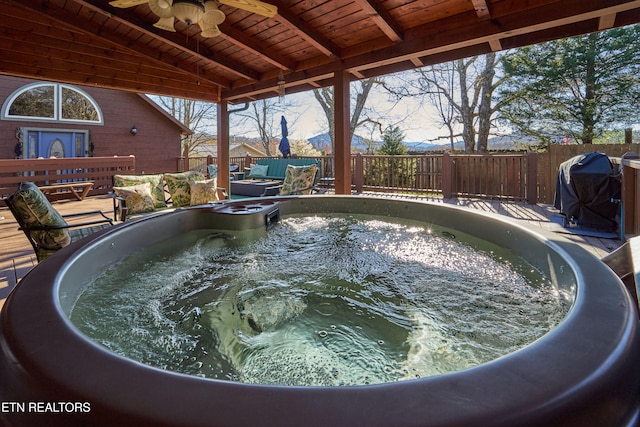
138 198
157 186
298 180
258 171
203 192
179 185
212 170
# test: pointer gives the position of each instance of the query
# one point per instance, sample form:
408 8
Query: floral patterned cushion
157 186
179 185
298 180
203 192
138 198
33 209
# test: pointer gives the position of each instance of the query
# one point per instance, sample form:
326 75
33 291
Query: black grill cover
586 185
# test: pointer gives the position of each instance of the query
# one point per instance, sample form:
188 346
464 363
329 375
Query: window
51 102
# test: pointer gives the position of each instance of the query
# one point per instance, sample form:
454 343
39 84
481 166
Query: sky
306 118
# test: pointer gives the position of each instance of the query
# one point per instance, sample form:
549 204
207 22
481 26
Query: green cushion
33 209
179 185
156 181
298 180
258 171
278 167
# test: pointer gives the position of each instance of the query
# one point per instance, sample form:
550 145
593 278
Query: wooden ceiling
89 42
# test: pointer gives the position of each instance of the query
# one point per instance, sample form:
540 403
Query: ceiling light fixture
188 11
211 18
203 12
281 83
162 8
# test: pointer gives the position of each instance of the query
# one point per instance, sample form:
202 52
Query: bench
79 189
140 194
275 168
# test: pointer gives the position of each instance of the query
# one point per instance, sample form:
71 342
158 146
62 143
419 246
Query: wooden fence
548 163
527 177
100 170
630 195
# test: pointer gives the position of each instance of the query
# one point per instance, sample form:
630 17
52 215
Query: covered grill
587 191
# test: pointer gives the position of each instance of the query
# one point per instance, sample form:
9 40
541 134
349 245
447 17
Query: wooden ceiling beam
67 54
383 19
482 9
607 22
455 34
250 44
129 19
302 29
46 67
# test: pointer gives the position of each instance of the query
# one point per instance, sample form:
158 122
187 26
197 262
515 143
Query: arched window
51 102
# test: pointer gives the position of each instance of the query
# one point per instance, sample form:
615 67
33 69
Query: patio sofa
136 195
275 169
298 180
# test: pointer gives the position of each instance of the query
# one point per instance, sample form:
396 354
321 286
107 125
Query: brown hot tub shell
584 372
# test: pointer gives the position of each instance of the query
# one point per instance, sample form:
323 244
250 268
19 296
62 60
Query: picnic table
79 189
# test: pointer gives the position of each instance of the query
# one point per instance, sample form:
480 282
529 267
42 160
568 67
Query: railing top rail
632 163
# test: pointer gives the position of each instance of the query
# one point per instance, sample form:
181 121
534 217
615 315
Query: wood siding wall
156 146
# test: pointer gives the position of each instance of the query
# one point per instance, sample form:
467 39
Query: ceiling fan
203 12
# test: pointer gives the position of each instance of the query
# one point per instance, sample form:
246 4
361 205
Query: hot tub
584 372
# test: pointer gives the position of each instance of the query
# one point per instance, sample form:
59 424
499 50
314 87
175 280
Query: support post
223 145
342 115
447 171
532 179
359 173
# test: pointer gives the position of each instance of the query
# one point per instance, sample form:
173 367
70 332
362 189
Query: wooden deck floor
17 257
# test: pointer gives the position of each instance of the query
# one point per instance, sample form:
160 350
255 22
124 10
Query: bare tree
264 117
196 115
325 98
462 93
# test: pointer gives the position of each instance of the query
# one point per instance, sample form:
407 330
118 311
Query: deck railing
527 177
100 170
511 177
630 196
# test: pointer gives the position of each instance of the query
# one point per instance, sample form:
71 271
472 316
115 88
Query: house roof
184 129
90 42
212 149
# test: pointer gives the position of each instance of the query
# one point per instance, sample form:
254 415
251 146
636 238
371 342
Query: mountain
322 142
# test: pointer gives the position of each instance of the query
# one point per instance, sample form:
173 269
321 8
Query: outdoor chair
46 229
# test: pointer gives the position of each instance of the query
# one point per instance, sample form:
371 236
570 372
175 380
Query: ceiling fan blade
166 24
127 3
254 6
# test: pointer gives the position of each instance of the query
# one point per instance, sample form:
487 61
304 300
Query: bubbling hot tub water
320 301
